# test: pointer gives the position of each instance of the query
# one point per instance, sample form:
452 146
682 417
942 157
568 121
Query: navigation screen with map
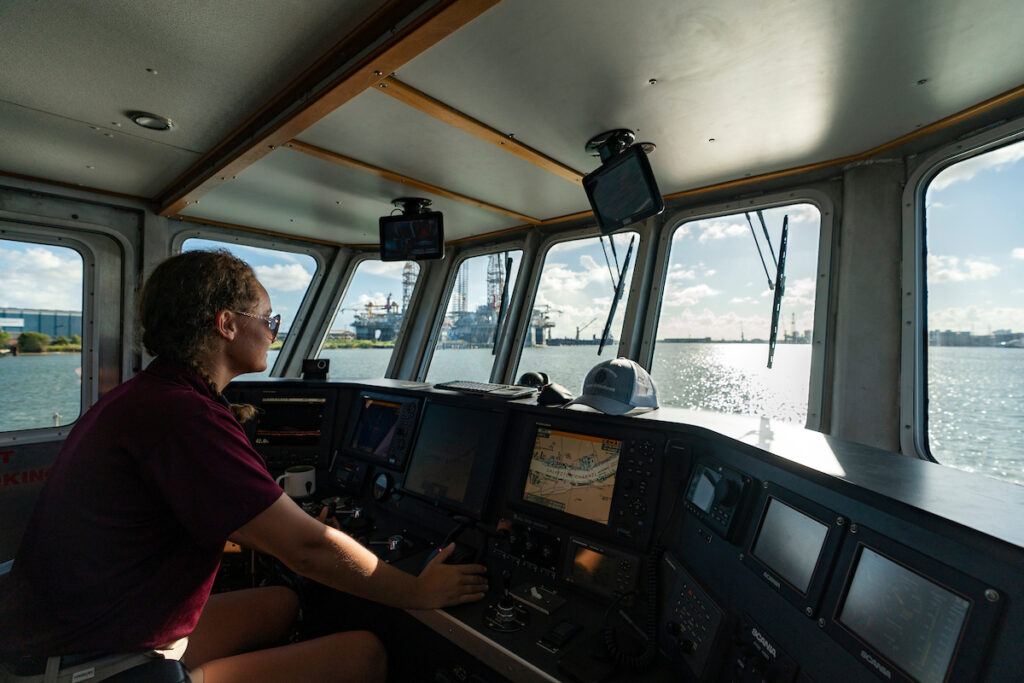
573 473
454 457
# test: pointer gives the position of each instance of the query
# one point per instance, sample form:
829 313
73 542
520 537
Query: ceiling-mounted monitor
414 235
623 191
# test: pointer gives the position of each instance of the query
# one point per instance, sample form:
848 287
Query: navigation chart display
573 473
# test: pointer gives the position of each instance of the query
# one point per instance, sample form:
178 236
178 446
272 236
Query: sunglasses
273 322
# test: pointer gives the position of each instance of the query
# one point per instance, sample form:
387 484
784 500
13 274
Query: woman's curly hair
180 300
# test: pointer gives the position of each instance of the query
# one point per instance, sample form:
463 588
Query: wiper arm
780 287
618 294
758 245
504 303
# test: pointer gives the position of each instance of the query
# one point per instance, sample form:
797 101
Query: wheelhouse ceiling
489 122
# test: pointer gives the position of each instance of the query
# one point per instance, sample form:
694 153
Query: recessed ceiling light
150 121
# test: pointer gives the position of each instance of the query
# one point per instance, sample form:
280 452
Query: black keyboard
487 389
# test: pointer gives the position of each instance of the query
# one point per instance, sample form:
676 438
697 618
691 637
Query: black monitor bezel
808 602
581 525
355 413
438 247
968 658
447 504
635 154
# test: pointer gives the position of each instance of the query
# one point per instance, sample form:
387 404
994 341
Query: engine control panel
626 549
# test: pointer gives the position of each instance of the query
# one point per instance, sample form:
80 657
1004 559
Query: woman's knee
363 651
282 601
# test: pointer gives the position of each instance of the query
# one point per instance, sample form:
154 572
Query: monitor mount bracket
611 142
411 206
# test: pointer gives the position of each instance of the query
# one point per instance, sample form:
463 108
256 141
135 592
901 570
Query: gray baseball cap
616 387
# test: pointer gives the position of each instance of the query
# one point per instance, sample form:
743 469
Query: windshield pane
711 347
368 320
572 304
463 350
975 281
40 335
285 275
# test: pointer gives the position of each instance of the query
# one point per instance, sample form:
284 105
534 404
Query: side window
974 280
41 293
711 345
362 336
464 347
574 297
284 274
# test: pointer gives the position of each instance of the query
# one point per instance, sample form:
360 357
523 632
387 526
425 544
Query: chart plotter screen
573 473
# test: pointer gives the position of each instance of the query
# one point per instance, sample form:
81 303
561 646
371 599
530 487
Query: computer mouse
554 394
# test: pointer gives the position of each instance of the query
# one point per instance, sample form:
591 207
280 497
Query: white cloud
678 273
996 160
383 268
689 296
950 269
682 231
743 300
281 277
709 272
799 292
1018 253
717 230
41 277
803 213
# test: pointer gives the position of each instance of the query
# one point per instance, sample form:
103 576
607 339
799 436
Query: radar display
573 473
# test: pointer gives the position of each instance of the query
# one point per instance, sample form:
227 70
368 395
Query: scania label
875 664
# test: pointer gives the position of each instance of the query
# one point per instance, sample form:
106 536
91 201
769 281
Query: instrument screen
789 543
453 461
906 618
376 429
573 473
290 421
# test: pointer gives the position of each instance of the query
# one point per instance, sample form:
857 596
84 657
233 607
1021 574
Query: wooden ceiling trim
342 160
314 95
405 93
266 232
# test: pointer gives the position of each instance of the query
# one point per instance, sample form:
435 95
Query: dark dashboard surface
676 544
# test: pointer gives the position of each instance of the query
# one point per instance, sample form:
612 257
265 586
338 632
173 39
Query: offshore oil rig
381 322
462 327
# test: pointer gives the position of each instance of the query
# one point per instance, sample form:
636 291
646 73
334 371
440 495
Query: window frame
282 362
914 338
821 197
451 275
549 242
332 310
89 390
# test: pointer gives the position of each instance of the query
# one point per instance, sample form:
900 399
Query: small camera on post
315 368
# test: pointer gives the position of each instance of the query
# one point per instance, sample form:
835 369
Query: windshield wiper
618 293
504 303
780 287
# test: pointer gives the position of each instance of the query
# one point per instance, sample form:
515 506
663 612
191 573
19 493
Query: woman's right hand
443 585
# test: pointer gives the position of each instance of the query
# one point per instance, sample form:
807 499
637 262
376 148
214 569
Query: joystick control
394 542
506 615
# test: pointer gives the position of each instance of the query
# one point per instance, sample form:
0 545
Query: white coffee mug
299 481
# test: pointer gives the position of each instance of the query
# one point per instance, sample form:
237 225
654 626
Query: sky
974 228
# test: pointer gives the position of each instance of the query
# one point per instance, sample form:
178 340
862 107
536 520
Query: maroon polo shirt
127 535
